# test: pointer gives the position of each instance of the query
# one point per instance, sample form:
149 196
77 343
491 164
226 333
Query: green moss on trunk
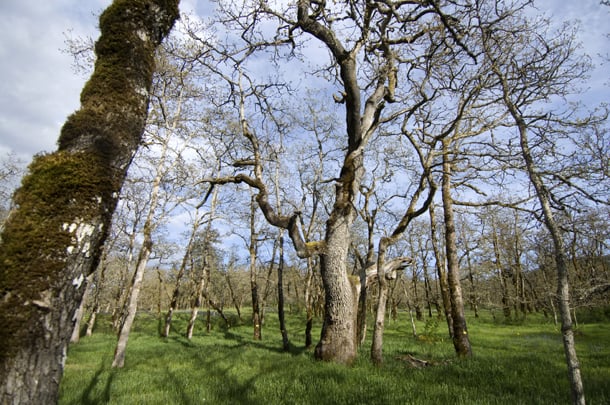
61 189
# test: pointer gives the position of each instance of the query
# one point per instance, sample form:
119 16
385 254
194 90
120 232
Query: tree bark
308 296
132 304
441 273
461 342
382 299
563 287
256 312
179 276
280 295
52 241
338 337
80 312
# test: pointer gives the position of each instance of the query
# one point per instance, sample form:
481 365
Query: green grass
512 364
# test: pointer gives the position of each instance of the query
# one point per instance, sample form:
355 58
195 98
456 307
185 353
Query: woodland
346 166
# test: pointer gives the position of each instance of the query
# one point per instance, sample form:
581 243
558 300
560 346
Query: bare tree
373 47
531 66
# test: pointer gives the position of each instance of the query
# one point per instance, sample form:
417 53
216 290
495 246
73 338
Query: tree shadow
88 398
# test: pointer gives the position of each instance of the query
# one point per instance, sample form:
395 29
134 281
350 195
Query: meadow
513 363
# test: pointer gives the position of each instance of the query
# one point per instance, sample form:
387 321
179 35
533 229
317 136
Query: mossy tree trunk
52 242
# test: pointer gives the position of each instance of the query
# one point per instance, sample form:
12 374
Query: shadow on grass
265 345
88 397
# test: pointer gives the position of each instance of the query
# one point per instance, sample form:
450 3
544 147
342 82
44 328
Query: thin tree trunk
99 280
132 304
473 293
441 274
80 312
413 326
179 276
461 341
280 295
501 273
427 289
234 297
268 284
122 290
256 313
308 303
563 287
204 268
382 299
66 202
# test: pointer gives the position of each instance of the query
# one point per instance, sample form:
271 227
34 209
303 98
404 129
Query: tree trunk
427 288
195 308
80 312
473 289
441 274
99 278
338 338
256 312
280 295
461 342
235 298
309 303
66 202
563 287
132 305
181 271
501 274
382 299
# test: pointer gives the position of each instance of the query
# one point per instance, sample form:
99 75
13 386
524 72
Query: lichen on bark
33 254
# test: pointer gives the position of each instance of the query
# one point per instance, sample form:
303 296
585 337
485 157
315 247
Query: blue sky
39 89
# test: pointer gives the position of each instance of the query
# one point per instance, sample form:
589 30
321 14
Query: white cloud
38 88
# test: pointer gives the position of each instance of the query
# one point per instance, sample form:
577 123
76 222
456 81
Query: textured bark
338 337
52 242
461 341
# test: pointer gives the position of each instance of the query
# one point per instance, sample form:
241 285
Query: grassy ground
512 364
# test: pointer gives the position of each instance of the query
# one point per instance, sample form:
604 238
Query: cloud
39 88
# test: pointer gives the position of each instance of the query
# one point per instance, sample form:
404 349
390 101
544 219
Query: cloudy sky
39 89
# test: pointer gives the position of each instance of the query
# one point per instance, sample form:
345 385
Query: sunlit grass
512 364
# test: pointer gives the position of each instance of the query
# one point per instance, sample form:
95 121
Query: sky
39 88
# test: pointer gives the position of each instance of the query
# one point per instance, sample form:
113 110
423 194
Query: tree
170 156
65 203
11 169
531 67
374 45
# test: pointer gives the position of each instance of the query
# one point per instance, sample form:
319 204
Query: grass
512 364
